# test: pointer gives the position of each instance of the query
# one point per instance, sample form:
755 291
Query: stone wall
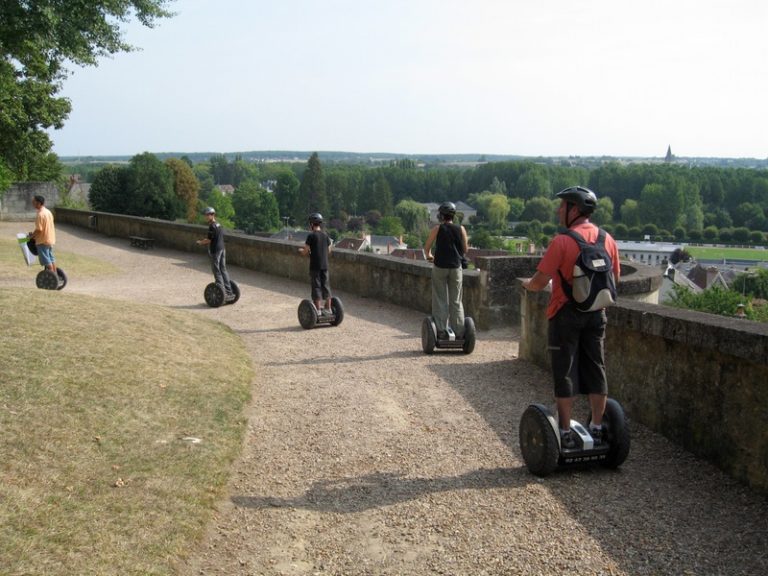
700 380
16 203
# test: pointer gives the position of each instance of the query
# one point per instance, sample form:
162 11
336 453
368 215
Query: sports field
720 253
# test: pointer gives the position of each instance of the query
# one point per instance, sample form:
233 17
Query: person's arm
305 250
430 241
464 241
330 245
539 281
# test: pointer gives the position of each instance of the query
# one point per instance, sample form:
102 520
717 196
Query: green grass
714 253
96 400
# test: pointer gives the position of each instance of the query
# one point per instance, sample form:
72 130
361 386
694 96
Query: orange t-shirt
44 232
562 254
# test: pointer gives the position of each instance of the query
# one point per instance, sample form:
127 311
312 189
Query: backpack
594 286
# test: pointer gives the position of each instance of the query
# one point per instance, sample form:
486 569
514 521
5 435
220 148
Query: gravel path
365 456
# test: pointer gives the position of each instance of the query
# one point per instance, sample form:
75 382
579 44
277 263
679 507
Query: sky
518 77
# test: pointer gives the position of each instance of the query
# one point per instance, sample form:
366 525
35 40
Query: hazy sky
527 77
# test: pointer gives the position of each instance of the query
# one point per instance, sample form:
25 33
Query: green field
716 253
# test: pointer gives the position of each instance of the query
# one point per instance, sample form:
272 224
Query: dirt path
364 456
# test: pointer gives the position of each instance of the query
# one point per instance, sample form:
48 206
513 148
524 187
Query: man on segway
576 338
318 248
450 243
218 253
44 234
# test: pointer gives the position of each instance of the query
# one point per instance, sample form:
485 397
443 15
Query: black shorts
577 348
321 285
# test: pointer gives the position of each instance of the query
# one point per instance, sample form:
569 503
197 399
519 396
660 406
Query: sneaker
567 441
598 435
326 312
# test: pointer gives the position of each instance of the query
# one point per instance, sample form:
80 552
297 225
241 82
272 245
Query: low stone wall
16 203
700 380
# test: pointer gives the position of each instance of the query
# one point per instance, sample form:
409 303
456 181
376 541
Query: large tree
256 210
38 39
311 196
185 185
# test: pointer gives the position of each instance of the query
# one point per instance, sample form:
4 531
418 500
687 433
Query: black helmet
583 198
447 210
316 218
209 210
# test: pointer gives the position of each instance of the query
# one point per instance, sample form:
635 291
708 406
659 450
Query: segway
48 280
430 340
215 296
540 440
309 316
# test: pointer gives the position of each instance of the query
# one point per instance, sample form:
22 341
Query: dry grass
12 264
97 400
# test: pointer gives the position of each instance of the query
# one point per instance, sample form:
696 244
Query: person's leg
45 254
317 290
216 269
455 306
563 342
225 274
325 286
440 298
592 365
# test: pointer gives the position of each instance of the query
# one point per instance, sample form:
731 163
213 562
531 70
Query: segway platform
215 297
47 280
540 440
309 317
430 340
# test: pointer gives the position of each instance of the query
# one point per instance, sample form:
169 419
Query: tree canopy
38 38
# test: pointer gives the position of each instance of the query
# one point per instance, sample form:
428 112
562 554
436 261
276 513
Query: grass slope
97 401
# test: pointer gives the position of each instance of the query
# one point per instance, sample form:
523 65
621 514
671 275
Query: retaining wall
699 379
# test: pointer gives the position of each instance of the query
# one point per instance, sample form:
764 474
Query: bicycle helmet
209 210
316 219
584 199
447 210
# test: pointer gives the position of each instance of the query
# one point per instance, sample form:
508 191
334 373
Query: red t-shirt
562 254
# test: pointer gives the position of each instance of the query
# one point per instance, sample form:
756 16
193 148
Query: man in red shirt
576 339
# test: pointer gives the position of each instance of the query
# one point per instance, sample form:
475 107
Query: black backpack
594 286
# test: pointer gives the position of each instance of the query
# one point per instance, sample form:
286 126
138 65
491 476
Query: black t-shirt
216 236
318 242
449 246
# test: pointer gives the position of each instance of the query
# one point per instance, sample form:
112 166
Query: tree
661 205
149 188
37 39
286 191
311 196
630 214
390 226
185 185
108 190
225 212
604 212
539 208
414 216
6 178
255 209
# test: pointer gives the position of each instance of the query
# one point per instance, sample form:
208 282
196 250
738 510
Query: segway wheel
469 335
428 336
214 295
617 433
307 314
338 311
538 441
62 278
47 280
235 292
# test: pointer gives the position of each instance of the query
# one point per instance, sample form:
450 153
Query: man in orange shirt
44 233
576 339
